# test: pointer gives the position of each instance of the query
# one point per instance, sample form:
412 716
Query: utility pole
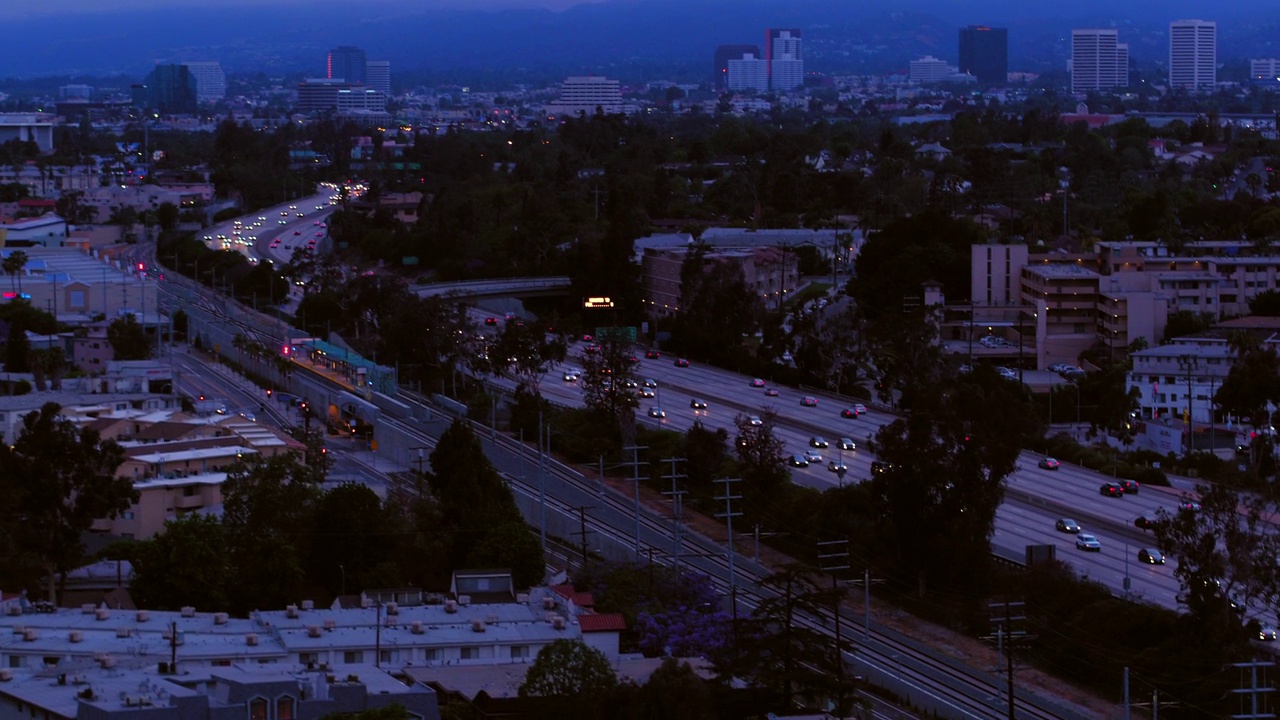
635 477
866 582
833 557
542 490
677 509
729 514
1009 619
582 528
1188 363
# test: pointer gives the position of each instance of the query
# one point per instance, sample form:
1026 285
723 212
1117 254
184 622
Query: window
519 651
76 298
222 663
15 661
258 709
309 658
432 654
351 657
284 708
389 656
470 653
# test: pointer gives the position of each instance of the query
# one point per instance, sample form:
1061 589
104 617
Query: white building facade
1193 54
1098 60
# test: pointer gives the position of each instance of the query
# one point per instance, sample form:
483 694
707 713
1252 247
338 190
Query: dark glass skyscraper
346 63
984 54
171 89
725 53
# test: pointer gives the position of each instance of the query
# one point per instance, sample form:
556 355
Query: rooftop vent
308 604
188 611
477 625
251 639
522 598
107 662
6 675
464 600
330 623
491 619
75 636
393 609
29 635
124 632
548 602
451 606
313 631
416 628
143 615
557 622
102 613
291 611
220 618
87 608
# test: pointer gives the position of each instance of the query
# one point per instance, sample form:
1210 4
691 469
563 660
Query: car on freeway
1130 487
849 413
1088 543
860 408
571 375
657 412
1266 633
879 467
633 360
630 384
650 383
837 467
755 421
1190 505
681 362
757 383
588 338
1146 522
491 321
813 456
771 392
1067 525
798 461
1151 556
1049 463
653 354
646 392
846 444
697 404
1111 490
809 401
818 441
297 232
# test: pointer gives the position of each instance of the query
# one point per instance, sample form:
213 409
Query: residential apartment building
1193 54
929 69
726 53
1098 60
1265 71
784 52
748 72
586 95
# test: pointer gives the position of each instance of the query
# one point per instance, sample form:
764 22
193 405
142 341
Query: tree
13 264
1250 388
524 352
17 350
349 536
760 454
57 479
511 544
128 339
187 564
1266 303
167 216
568 668
607 369
717 309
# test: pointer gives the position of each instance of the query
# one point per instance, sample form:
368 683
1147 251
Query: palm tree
12 265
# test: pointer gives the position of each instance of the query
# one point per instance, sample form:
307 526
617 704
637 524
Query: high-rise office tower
725 53
377 76
747 73
984 54
1193 54
171 89
211 82
346 63
785 56
1098 60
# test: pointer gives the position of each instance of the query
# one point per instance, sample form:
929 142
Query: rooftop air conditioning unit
6 675
308 604
144 615
330 623
220 618
548 602
464 600
102 613
13 610
522 598
451 606
19 629
392 622
491 620
75 636
477 625
365 602
416 628
124 632
251 639
188 611
393 609
291 611
313 631
87 608
557 622
107 662
29 635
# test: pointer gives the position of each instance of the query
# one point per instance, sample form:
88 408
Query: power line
635 476
729 514
677 508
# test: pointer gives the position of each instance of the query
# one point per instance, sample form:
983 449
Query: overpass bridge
496 288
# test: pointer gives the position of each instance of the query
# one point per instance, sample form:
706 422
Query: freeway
1035 498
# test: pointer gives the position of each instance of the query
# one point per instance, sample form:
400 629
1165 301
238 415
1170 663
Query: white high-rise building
1098 60
211 83
585 94
785 56
1193 54
377 76
929 69
1266 70
748 73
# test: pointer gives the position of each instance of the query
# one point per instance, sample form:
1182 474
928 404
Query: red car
491 321
653 354
682 363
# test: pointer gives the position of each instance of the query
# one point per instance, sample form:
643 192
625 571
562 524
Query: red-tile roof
580 599
602 622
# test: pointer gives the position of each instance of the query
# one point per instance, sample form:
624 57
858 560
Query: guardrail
490 286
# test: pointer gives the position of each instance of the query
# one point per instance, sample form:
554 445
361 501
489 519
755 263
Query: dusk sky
62 7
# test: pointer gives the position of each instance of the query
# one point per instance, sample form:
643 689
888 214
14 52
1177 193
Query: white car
1088 543
754 421
813 456
657 412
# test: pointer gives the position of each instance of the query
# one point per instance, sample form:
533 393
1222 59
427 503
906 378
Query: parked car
1049 463
1067 525
1111 490
1088 543
1151 556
